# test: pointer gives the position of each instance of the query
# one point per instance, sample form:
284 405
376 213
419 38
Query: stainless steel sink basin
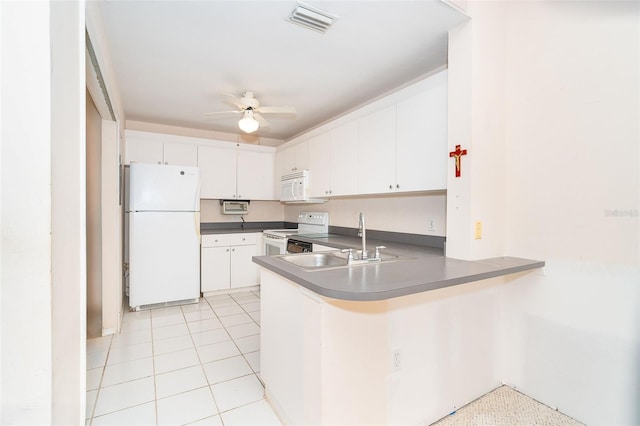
332 259
315 260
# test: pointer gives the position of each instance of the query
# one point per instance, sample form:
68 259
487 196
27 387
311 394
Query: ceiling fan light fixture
312 18
247 123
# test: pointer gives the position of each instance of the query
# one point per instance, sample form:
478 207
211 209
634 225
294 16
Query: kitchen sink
331 259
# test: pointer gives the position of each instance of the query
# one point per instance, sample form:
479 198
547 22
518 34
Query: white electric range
275 240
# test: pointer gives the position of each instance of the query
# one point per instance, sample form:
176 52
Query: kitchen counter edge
424 272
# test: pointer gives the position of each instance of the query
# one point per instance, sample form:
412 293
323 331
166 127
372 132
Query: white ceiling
174 60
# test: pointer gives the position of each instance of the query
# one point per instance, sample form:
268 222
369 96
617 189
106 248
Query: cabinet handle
330 192
233 249
159 162
227 250
239 196
166 162
390 186
398 185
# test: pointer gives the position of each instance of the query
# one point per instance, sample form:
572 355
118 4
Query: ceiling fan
251 112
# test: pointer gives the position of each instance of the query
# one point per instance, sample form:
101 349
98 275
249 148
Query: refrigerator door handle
196 220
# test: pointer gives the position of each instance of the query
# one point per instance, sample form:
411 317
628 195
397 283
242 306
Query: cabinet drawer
216 240
244 239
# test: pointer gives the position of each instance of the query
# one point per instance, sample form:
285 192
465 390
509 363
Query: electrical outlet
478 230
396 360
431 224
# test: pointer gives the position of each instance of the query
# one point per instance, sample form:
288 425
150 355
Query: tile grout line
259 334
239 350
153 363
104 369
153 342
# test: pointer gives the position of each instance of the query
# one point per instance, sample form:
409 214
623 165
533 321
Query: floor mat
506 407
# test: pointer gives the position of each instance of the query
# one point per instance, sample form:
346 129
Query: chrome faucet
362 232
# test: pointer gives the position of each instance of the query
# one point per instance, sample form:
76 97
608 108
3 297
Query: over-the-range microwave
294 188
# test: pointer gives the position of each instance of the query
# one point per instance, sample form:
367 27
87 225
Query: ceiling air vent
312 18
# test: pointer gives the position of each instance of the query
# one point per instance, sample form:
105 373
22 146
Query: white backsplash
259 211
396 213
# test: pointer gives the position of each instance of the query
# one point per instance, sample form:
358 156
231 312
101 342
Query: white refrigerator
164 234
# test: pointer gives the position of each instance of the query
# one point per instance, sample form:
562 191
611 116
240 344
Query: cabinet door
422 138
180 154
217 171
344 159
319 166
301 155
244 272
278 166
287 161
143 151
377 152
215 268
255 169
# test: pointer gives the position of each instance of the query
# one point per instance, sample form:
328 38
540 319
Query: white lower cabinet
226 261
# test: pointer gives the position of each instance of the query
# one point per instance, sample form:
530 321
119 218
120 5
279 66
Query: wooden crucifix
457 154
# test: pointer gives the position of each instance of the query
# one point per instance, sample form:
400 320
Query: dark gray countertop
207 228
420 269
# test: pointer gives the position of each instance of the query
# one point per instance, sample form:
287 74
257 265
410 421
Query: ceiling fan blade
222 112
277 110
234 100
261 120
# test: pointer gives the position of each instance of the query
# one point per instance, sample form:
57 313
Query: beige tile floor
200 364
189 364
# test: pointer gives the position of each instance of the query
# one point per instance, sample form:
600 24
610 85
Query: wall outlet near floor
396 360
431 224
478 230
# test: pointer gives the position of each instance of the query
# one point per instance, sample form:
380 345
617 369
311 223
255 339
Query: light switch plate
478 230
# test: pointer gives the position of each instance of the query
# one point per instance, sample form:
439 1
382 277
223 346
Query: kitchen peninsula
399 342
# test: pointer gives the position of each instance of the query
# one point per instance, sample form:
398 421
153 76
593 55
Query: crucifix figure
457 154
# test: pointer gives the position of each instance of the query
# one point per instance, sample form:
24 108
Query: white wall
573 332
68 212
94 229
43 213
397 213
111 229
25 121
259 211
547 96
111 148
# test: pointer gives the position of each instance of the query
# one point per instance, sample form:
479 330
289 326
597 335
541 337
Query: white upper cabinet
143 150
421 138
333 162
143 147
319 165
236 171
294 158
377 152
228 170
218 165
344 160
180 154
403 147
255 169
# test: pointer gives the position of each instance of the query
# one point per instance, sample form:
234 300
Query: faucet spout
362 232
